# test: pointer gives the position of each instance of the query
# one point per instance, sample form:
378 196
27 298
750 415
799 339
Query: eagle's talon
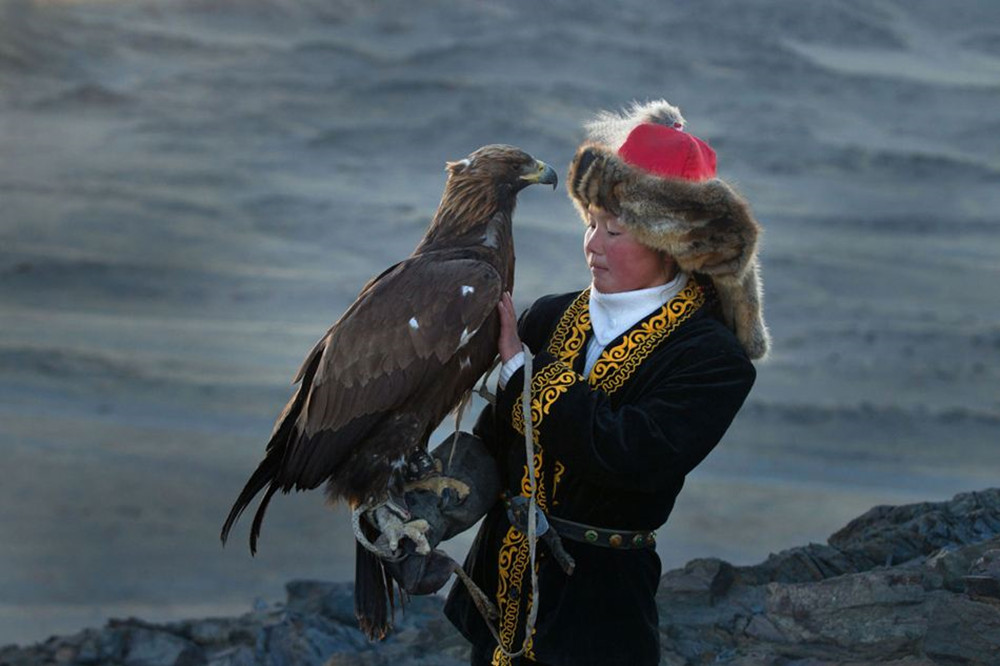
416 531
394 529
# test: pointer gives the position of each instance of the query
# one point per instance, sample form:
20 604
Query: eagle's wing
396 337
392 343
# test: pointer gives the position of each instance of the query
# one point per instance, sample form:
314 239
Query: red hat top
668 152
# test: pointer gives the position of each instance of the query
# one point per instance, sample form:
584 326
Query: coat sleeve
668 431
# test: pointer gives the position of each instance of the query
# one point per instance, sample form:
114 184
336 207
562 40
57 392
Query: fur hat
660 181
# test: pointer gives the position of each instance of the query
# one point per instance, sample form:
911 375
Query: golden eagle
401 357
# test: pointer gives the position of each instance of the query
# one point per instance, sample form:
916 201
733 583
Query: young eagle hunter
400 358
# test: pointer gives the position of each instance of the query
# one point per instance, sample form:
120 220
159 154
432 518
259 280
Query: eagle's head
506 168
481 186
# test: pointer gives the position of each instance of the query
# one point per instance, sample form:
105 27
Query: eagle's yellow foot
438 485
393 529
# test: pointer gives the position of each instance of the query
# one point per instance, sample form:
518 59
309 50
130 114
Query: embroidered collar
622 356
613 314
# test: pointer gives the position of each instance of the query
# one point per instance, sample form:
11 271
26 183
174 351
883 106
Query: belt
599 536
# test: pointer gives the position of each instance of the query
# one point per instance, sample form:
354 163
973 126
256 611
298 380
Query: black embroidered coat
612 451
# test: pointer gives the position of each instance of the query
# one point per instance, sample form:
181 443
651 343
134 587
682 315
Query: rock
332 600
237 656
903 586
144 646
209 632
88 652
896 534
983 581
961 631
699 582
987 565
865 615
841 603
885 536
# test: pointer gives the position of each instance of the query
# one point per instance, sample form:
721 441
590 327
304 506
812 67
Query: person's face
617 261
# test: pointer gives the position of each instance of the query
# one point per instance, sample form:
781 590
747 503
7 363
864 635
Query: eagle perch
401 357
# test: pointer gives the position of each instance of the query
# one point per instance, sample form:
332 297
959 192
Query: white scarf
610 316
613 314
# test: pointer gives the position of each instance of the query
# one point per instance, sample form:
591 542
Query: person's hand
508 343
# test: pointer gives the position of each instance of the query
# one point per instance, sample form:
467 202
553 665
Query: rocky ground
916 584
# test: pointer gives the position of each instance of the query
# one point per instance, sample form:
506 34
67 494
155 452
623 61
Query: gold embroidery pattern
571 331
618 363
526 481
546 387
556 477
512 562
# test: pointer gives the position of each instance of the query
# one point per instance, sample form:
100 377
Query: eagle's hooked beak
541 173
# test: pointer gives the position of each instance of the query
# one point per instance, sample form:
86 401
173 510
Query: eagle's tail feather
374 602
258 517
263 476
277 449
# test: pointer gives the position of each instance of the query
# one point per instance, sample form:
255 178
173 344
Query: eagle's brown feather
395 358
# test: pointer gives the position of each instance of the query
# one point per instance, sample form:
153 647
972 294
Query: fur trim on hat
705 226
612 128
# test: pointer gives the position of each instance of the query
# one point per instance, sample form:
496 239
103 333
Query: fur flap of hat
705 226
611 128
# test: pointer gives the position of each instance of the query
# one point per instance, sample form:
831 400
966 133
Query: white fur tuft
612 128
